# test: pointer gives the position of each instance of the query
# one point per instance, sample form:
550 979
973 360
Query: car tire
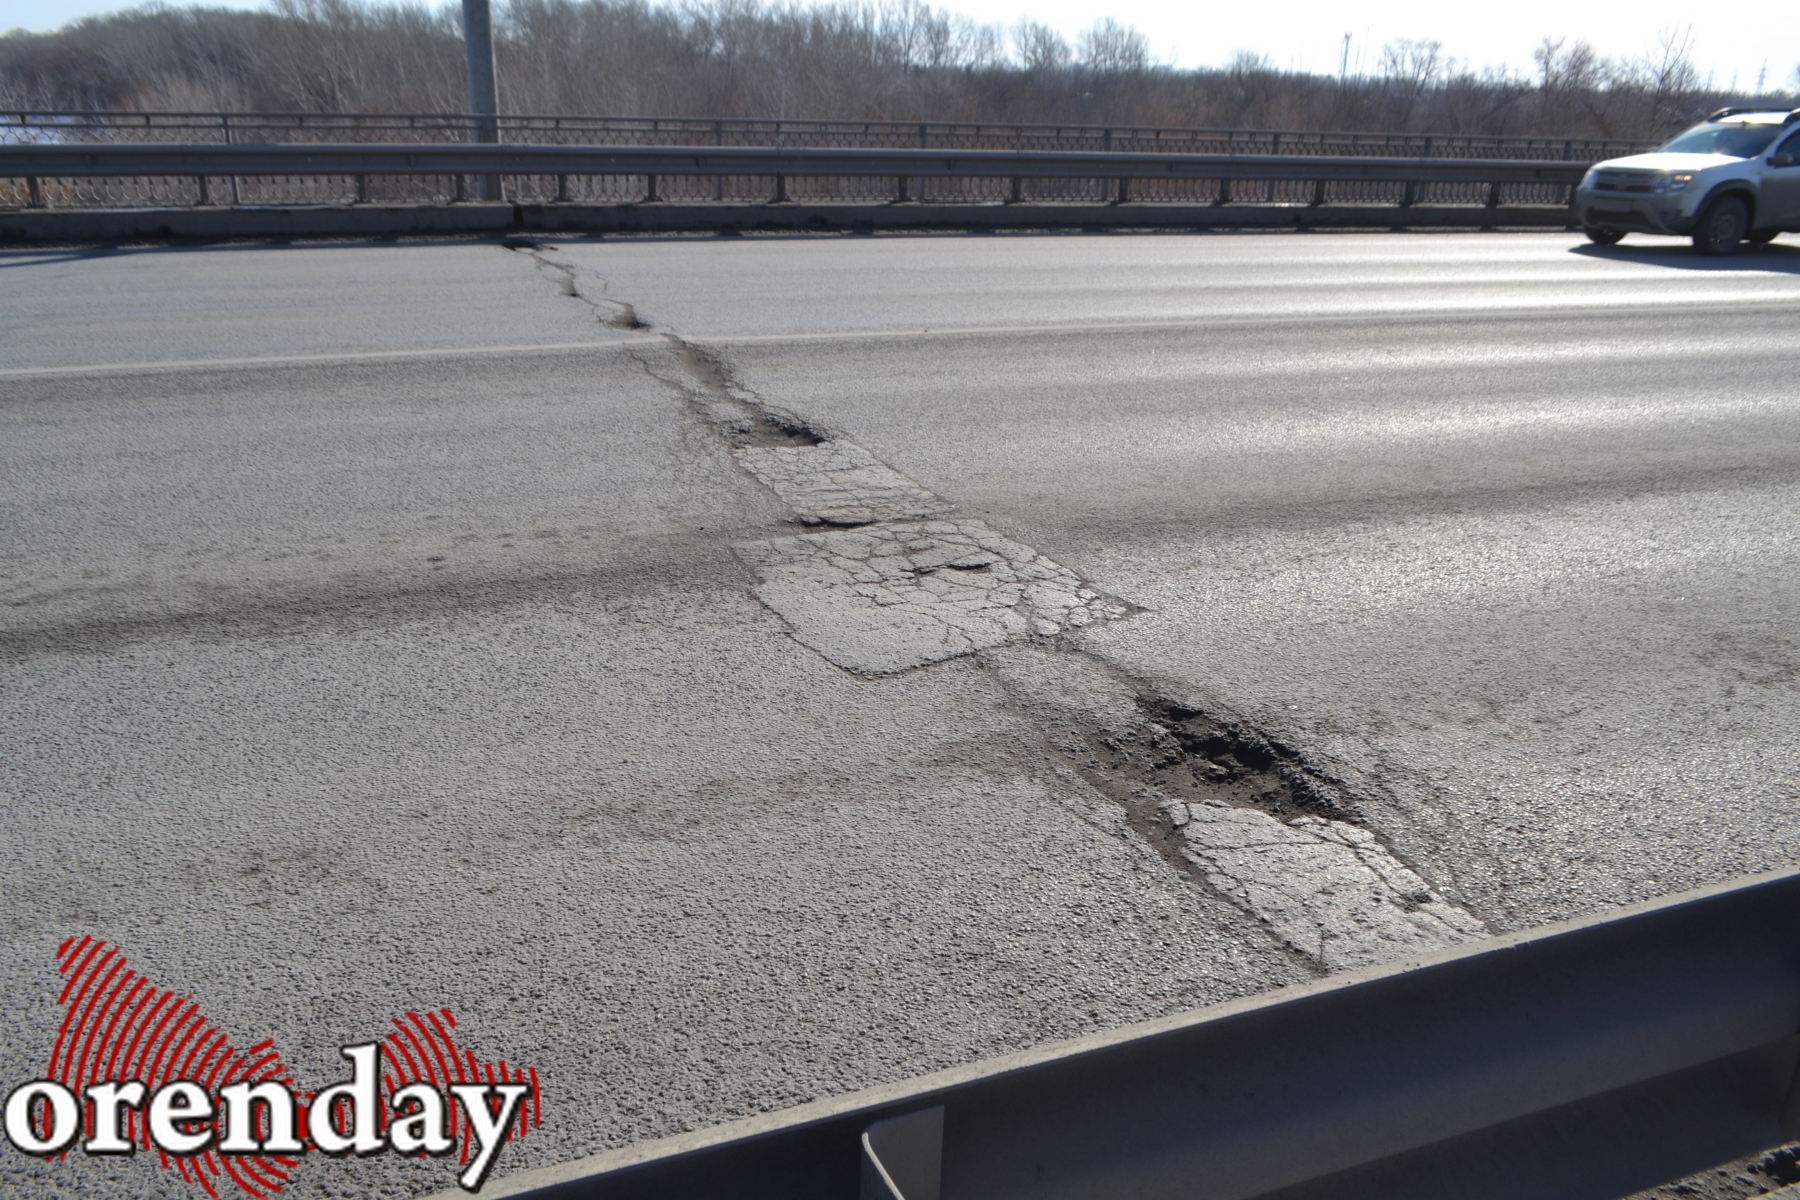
1722 227
1604 237
1763 237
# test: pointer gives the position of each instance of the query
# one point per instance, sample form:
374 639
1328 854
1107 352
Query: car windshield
1736 140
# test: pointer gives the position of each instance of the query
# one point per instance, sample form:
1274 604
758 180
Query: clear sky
1740 39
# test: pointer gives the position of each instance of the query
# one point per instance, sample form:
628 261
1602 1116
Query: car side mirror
1782 160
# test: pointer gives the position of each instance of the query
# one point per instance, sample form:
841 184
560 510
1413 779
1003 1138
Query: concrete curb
58 226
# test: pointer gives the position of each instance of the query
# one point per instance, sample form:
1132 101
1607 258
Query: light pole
484 104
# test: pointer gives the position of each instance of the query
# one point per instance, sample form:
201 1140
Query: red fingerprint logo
117 1025
424 1050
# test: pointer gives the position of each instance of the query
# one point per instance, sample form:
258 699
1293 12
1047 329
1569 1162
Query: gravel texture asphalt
382 630
1500 528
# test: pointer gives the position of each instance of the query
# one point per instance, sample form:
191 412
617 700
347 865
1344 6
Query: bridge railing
143 174
228 128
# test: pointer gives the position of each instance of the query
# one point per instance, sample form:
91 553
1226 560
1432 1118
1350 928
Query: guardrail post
1018 190
225 124
34 193
650 189
900 196
205 197
1124 191
1318 192
1407 197
718 180
1493 196
362 189
781 189
562 189
1224 192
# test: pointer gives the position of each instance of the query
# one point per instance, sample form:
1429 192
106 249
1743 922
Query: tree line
835 59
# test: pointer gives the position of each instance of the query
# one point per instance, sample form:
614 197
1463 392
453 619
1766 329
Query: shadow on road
12 257
1773 257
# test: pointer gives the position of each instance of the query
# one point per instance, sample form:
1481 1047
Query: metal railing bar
516 159
51 119
1584 1060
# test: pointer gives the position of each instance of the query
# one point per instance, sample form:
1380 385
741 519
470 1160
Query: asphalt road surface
396 627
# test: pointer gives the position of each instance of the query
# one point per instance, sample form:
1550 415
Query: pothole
745 419
1238 811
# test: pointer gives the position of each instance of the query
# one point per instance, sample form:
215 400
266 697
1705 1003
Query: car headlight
1587 181
1672 183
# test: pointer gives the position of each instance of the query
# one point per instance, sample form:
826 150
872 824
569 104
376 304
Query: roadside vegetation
893 60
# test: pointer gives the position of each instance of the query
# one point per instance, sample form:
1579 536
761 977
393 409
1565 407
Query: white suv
1734 176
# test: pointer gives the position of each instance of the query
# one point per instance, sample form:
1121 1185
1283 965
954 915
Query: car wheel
1722 226
1763 237
1604 237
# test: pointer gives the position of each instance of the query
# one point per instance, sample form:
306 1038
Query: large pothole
1249 817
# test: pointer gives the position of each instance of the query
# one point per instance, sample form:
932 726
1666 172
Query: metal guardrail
1582 1061
833 174
104 127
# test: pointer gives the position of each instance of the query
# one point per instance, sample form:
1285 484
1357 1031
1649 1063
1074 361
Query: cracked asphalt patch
886 598
837 483
1327 888
884 593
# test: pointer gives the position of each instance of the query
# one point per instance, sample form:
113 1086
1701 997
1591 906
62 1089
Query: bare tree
1568 80
1409 70
1039 48
857 59
1110 48
1254 85
1575 69
1669 76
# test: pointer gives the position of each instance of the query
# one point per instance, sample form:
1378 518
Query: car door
1781 186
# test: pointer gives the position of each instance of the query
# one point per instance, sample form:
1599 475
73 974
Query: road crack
614 314
890 580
